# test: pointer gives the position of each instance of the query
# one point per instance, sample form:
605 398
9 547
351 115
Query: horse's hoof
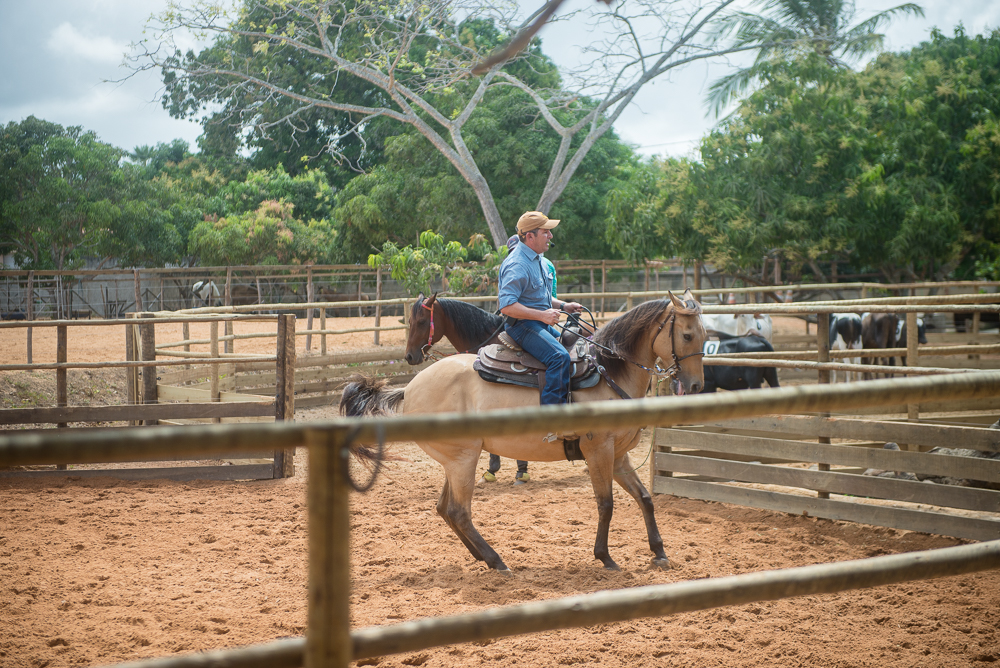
661 563
506 572
488 477
612 567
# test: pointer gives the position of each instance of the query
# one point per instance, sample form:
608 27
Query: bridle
675 367
669 372
424 350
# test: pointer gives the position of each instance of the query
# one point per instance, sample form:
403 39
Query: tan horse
671 331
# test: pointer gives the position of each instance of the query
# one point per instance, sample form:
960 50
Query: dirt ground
99 571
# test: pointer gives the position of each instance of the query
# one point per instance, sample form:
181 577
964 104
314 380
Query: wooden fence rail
91 447
612 606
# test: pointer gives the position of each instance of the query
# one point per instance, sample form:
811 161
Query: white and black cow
739 324
845 334
901 332
738 377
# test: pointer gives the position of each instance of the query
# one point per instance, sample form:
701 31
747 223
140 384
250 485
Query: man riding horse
525 298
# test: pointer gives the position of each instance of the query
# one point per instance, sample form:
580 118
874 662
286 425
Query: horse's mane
471 322
624 333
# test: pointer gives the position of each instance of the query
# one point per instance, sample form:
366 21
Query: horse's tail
366 396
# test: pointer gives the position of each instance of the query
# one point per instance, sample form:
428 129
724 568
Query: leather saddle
508 363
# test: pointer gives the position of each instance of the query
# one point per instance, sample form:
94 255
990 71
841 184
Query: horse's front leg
626 476
601 465
455 503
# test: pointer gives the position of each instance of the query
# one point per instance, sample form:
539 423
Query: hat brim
549 225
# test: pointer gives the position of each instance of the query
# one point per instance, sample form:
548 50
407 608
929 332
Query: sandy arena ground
99 571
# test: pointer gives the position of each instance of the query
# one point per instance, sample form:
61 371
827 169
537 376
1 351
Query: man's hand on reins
572 307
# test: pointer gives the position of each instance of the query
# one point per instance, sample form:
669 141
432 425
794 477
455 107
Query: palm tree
790 29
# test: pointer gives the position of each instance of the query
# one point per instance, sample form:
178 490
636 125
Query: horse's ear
430 300
420 297
675 301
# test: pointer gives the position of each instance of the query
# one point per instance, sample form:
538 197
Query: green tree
435 259
937 107
267 235
653 209
351 66
417 189
789 30
65 196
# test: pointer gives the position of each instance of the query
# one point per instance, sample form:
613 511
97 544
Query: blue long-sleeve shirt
524 279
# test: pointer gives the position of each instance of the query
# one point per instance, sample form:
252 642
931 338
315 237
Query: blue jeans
542 341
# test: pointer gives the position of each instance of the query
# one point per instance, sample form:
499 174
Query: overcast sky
58 53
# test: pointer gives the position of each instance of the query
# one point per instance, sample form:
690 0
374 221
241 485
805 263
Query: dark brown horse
467 327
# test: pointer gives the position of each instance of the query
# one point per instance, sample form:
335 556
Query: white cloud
66 40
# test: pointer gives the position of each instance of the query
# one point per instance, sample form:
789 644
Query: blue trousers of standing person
542 341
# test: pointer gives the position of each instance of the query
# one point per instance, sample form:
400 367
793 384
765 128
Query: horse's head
421 332
681 343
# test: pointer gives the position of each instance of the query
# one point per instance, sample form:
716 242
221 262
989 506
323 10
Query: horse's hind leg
601 478
629 480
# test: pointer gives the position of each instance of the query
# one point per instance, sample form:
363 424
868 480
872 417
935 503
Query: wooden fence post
912 359
328 626
593 302
228 301
284 398
62 393
322 326
378 298
138 290
697 274
310 297
30 308
823 355
213 348
975 332
604 278
147 334
132 354
361 313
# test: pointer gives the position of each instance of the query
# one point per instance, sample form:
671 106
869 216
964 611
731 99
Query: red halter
430 335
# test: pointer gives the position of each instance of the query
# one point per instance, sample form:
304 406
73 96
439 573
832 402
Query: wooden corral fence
151 403
329 640
320 376
794 464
